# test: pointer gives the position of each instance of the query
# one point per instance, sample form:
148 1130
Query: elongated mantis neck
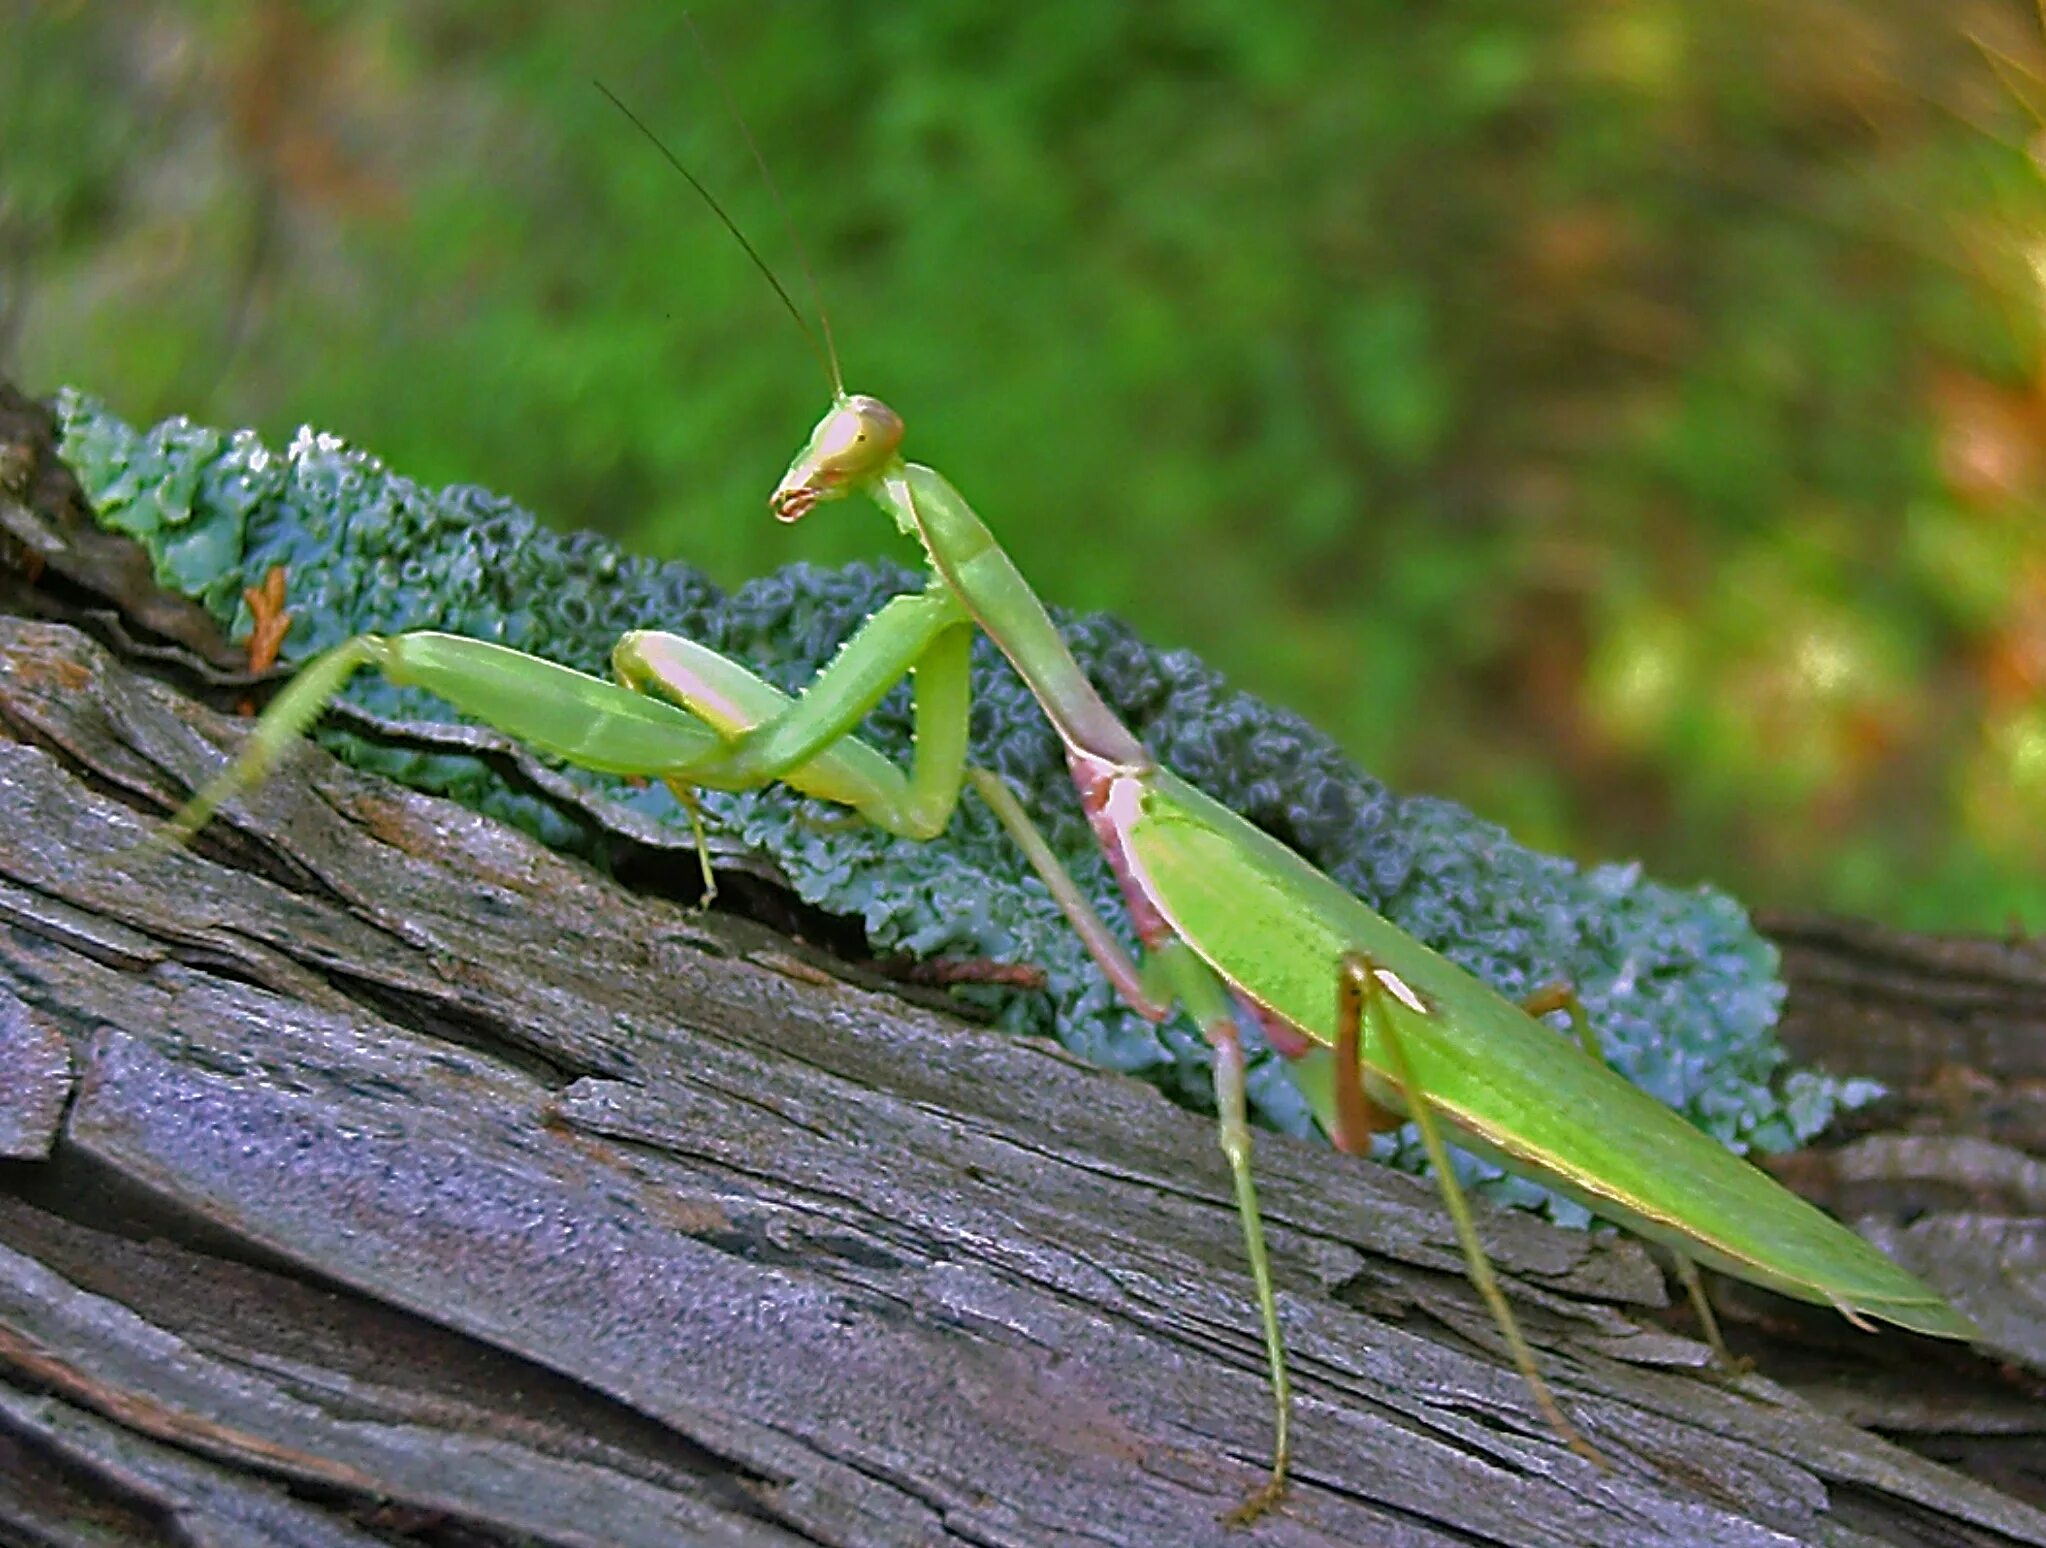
854 447
966 555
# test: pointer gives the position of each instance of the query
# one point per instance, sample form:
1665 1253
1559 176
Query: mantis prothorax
1377 1027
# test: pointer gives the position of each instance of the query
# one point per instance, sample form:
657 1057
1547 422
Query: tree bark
378 1175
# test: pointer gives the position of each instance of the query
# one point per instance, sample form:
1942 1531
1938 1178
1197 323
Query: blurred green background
1625 416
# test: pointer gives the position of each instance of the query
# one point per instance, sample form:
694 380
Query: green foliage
1682 989
1451 371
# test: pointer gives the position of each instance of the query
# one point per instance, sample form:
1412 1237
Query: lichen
1682 989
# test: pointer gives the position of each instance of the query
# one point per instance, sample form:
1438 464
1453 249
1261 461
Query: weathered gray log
402 1176
375 1174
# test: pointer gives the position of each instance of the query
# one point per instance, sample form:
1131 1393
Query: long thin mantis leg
1171 972
1563 997
1361 998
1194 985
692 808
1708 1319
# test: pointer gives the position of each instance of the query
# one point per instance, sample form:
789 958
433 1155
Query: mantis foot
685 797
1262 1501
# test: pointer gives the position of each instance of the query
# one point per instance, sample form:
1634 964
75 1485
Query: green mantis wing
1276 929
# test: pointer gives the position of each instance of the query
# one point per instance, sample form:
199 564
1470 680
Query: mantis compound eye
858 437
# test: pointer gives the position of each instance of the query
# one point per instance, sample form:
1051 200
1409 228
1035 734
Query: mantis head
857 439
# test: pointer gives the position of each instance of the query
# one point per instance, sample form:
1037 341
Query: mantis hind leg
1361 998
1562 996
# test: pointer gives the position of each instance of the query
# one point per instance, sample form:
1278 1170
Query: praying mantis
1377 1029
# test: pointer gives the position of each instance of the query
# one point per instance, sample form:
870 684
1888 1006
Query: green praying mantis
1377 1028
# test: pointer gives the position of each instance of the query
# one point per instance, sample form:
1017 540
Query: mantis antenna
781 205
826 352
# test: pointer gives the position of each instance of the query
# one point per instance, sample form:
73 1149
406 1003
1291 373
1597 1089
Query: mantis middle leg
1362 998
1171 973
